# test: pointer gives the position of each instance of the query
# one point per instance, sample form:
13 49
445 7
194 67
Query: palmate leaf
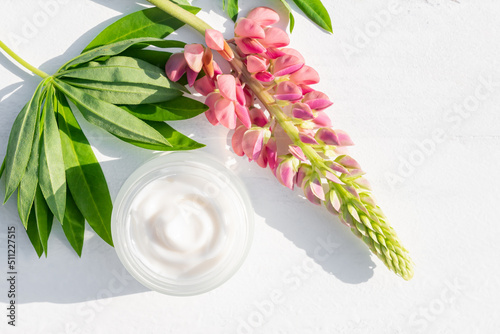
150 22
85 179
32 231
52 179
154 57
74 225
44 219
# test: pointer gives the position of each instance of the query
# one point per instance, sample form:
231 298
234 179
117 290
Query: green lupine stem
366 221
22 61
182 15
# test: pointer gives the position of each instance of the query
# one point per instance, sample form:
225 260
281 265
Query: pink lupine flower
290 120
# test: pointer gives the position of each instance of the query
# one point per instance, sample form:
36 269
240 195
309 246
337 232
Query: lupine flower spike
267 94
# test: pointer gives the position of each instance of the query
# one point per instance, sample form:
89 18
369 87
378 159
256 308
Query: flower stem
22 61
182 15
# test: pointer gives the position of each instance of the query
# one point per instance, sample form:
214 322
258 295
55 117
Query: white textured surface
394 87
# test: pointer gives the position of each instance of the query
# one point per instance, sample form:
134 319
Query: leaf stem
182 15
23 62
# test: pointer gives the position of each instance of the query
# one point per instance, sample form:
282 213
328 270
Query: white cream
180 231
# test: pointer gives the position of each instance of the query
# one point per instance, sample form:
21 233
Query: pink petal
317 189
204 85
289 91
344 138
275 38
240 94
256 64
243 115
305 76
237 140
363 183
227 86
176 66
249 45
332 177
302 174
307 139
262 159
273 53
194 56
214 39
224 111
217 69
210 114
212 98
335 201
271 153
327 136
297 152
248 97
322 120
348 162
286 64
317 100
264 16
285 173
352 190
249 28
258 117
302 111
306 89
264 76
293 52
191 76
253 142
338 168
310 195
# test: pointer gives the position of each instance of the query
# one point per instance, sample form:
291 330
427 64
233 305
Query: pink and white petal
348 162
339 168
310 195
249 28
194 56
317 100
176 67
275 38
243 115
264 16
332 177
293 52
322 119
286 174
297 152
327 136
253 142
227 86
237 140
214 39
224 111
317 189
249 45
288 91
286 64
302 111
307 139
344 138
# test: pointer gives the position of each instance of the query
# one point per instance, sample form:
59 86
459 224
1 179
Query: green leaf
182 2
2 169
119 47
51 176
232 9
180 108
44 219
111 118
179 141
154 57
84 175
292 18
29 182
74 225
150 22
33 234
315 10
20 142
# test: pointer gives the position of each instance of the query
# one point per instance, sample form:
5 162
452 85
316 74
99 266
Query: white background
399 73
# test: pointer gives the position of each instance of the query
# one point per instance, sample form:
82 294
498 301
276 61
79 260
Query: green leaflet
315 10
179 141
231 7
2 169
20 142
180 108
119 47
51 175
291 17
84 175
29 182
151 22
111 118
157 58
44 219
74 225
182 2
123 70
32 230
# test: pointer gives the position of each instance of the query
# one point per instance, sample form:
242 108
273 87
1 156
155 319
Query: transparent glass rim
216 172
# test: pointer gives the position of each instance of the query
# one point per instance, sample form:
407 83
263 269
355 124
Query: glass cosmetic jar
182 223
